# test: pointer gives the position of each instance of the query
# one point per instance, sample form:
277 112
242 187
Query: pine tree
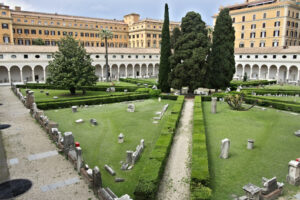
188 63
165 53
221 61
174 37
71 67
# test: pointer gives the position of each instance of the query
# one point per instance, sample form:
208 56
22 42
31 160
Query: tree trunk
72 91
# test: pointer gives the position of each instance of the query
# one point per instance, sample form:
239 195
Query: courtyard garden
100 143
275 145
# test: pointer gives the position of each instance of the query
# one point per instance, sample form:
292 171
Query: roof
67 17
268 50
52 49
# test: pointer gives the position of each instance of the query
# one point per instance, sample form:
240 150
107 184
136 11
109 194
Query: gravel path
175 182
25 143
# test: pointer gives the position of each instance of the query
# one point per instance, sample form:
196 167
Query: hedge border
152 173
136 81
235 84
200 177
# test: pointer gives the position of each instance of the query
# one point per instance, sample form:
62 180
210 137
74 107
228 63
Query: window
33 31
241 56
4 26
46 23
154 35
241 45
253 26
86 34
3 13
233 20
276 33
254 17
20 42
114 56
262 44
242 35
37 56
294 56
288 23
19 31
150 56
58 32
32 21
46 32
40 32
277 24
243 18
71 33
248 56
252 44
292 24
252 35
274 56
116 36
25 56
129 56
49 56
263 25
6 39
243 27
13 56
26 31
289 13
296 25
52 33
278 14
256 56
265 15
265 56
82 34
263 34
27 42
275 44
1 56
284 56
51 23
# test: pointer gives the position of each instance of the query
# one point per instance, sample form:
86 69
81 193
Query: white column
102 69
287 74
298 77
259 72
243 72
21 76
153 70
277 75
147 71
268 72
140 71
33 75
118 72
44 74
126 74
251 69
9 77
110 72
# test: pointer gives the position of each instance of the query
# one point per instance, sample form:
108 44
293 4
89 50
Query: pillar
21 76
147 71
251 70
126 74
287 74
259 72
9 77
118 73
268 73
44 74
153 70
243 72
277 75
298 76
33 79
102 68
140 70
79 158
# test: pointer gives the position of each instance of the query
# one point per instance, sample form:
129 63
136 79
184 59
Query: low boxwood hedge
92 101
152 173
235 84
272 91
200 177
136 81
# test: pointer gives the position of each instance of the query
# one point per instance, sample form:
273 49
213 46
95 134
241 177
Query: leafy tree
71 67
106 35
165 53
236 101
174 37
188 63
38 41
221 62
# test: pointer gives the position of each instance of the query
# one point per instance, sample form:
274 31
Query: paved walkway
175 182
31 155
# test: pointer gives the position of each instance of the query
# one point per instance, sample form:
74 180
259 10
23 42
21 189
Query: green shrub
200 177
153 93
137 81
152 173
272 91
235 84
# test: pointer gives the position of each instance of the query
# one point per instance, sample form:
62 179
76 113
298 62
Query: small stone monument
121 138
252 191
97 179
225 148
129 157
55 97
94 122
271 188
47 93
159 99
78 121
297 133
79 158
250 144
214 105
74 109
154 87
68 142
109 170
112 89
184 90
131 108
293 177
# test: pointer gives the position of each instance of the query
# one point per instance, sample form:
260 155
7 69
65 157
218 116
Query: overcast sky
116 9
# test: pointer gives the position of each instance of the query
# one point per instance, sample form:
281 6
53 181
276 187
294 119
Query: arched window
6 39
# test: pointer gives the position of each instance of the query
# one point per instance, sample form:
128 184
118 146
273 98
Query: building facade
23 27
19 63
270 63
266 23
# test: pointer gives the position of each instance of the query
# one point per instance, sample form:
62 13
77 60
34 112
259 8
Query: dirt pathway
31 155
175 182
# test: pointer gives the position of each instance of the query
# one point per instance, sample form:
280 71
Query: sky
116 9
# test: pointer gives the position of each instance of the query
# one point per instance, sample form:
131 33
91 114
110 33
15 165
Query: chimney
17 8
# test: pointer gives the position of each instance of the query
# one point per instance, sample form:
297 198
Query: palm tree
106 34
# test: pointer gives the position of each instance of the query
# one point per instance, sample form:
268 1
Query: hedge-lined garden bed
153 171
137 81
200 177
272 91
235 84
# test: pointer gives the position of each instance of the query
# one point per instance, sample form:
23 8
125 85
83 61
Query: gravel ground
176 179
24 138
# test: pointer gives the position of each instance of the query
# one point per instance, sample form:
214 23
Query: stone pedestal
129 157
97 179
29 99
225 148
252 191
74 109
68 142
250 144
121 138
79 158
214 105
293 177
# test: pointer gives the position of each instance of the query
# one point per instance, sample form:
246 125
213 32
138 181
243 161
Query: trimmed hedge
271 91
136 81
88 88
200 177
235 84
281 105
152 173
153 93
92 101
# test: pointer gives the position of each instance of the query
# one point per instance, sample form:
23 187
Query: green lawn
115 83
288 98
284 87
100 143
153 80
61 94
275 146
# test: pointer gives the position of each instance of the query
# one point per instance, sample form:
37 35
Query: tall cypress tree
165 53
188 63
221 60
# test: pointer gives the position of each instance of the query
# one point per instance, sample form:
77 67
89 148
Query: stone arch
27 73
263 72
15 74
293 73
239 70
247 70
150 70
282 73
156 69
122 72
98 71
255 71
4 74
38 73
114 71
272 72
130 70
144 70
137 72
